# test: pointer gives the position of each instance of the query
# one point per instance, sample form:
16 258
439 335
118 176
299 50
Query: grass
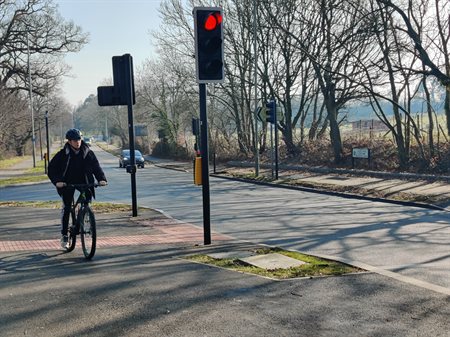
31 175
99 207
36 204
6 163
314 266
358 190
23 179
112 149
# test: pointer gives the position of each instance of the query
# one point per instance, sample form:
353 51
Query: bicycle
83 221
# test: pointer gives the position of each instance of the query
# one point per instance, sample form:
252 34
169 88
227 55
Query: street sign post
122 93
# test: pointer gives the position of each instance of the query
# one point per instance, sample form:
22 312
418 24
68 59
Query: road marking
390 274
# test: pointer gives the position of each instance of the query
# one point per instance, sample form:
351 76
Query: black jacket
58 166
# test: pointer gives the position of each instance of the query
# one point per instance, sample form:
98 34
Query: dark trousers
67 196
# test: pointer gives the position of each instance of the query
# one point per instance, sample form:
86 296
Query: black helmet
73 134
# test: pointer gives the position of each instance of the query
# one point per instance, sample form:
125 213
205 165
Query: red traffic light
212 21
208 29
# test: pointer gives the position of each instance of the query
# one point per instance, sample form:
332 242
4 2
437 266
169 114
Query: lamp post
33 138
47 159
255 3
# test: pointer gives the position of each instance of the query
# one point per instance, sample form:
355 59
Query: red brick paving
169 231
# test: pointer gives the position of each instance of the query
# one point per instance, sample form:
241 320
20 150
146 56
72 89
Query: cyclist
75 163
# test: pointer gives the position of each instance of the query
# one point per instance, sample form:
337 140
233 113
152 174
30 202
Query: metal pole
106 129
275 123
205 165
128 83
40 136
48 139
33 138
271 149
255 79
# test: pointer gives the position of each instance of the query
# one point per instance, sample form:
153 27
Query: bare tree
439 66
34 26
338 42
32 31
165 102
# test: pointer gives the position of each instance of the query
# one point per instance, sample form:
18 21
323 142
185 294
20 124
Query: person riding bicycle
75 163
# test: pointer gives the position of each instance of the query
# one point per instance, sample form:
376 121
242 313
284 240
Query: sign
280 114
261 113
140 130
123 79
362 152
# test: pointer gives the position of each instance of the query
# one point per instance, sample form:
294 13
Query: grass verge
385 194
23 179
32 175
109 148
6 163
314 266
99 207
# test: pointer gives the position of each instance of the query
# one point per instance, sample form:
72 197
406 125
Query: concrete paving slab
273 261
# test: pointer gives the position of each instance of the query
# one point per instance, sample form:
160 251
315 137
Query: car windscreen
137 153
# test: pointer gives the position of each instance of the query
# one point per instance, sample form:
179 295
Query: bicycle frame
82 199
80 213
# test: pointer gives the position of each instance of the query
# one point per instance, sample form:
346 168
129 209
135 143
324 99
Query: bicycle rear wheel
71 234
88 232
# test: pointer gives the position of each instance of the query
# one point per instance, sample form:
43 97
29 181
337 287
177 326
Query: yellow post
198 171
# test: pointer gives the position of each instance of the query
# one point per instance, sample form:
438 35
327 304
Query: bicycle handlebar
84 185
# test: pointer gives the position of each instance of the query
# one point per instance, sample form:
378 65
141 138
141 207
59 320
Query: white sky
116 27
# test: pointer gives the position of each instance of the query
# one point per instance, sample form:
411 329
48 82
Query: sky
115 27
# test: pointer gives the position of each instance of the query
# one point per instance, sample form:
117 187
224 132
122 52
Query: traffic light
271 111
195 126
208 44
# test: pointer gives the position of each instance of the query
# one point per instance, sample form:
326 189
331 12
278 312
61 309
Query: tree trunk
335 135
430 117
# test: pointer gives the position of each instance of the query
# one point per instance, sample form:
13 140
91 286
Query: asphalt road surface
410 242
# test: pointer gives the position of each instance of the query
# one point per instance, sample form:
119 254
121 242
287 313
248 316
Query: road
410 242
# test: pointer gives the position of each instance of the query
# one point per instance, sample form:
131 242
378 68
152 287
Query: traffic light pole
132 168
205 165
209 65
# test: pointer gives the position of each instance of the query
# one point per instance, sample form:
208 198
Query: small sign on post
360 153
123 93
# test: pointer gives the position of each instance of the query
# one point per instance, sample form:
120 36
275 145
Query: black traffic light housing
195 126
271 111
208 26
118 94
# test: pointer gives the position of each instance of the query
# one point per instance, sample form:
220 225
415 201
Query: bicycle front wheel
88 232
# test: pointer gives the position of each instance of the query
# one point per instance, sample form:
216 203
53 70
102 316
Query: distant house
369 124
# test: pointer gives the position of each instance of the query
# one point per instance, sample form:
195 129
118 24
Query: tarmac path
408 242
147 288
